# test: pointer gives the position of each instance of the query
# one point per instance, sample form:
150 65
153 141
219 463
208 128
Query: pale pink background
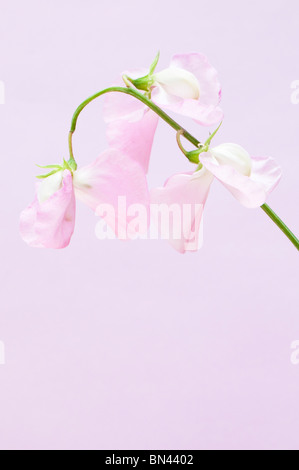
114 345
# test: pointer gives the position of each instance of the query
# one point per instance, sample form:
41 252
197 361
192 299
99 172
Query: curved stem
71 146
193 155
280 224
143 99
182 132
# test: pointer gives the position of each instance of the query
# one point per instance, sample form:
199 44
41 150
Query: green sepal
200 166
209 140
145 83
72 165
154 64
49 166
193 156
40 177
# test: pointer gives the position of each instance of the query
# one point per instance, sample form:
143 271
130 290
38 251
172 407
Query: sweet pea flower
249 179
189 86
179 191
49 221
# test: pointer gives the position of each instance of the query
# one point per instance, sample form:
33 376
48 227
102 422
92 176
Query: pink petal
50 224
183 191
131 125
134 138
205 110
112 179
251 191
118 105
206 74
266 172
202 114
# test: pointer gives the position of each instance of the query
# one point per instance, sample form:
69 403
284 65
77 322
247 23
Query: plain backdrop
129 345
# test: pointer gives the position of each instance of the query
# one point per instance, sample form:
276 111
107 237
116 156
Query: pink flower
50 220
249 179
131 125
186 190
189 86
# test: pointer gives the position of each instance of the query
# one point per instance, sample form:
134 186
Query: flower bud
178 82
233 155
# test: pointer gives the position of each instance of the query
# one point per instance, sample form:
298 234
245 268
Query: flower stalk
139 96
192 156
281 225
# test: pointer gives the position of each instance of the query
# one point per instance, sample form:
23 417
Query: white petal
233 155
178 82
82 178
49 186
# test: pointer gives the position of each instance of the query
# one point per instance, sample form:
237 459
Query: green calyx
71 165
205 147
193 155
144 83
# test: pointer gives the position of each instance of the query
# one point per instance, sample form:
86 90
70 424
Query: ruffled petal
202 114
205 110
50 224
134 138
206 74
113 180
251 191
266 172
183 197
131 126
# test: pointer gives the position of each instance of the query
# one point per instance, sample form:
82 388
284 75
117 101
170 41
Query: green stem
71 146
140 97
182 132
280 224
193 155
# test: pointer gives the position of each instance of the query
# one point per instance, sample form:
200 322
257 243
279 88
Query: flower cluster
189 87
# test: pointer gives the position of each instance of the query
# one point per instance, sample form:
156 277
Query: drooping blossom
249 179
131 125
189 86
185 196
50 220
